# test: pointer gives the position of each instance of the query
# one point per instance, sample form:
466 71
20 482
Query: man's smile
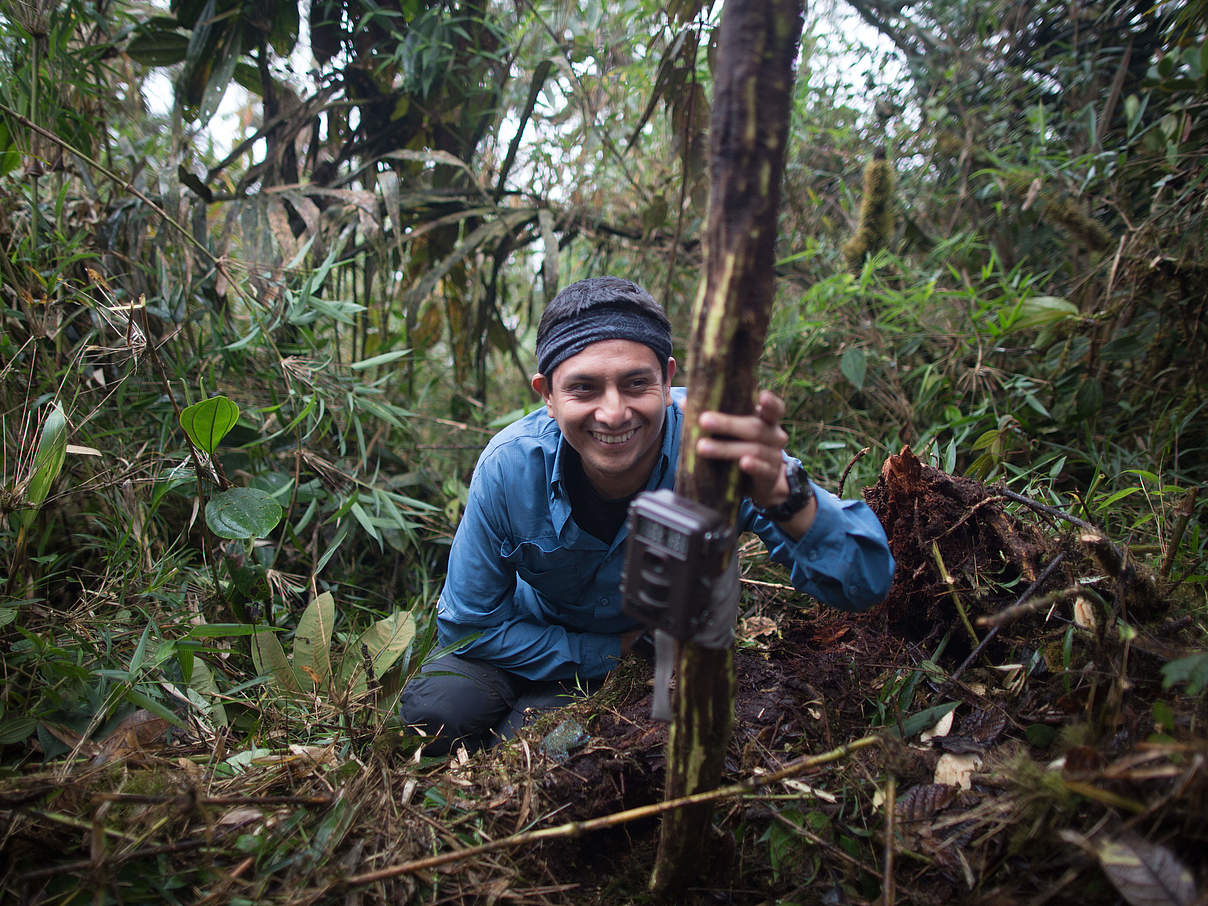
606 438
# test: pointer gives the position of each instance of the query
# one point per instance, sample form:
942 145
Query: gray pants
462 700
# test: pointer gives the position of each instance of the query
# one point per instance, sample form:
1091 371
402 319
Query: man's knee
456 699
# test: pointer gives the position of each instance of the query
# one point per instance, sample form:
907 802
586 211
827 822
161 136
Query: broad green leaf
208 422
1192 670
242 513
312 640
202 682
17 729
1089 398
854 365
383 643
269 657
158 46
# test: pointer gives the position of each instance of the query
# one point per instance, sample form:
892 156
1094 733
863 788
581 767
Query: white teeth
613 438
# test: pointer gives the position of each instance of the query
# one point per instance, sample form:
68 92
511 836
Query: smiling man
532 598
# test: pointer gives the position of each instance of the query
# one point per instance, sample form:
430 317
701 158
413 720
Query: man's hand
628 639
756 442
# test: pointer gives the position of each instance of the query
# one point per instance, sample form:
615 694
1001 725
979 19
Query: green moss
1070 216
875 227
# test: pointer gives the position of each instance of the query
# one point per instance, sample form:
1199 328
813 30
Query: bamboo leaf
383 643
202 682
206 423
384 359
48 460
269 657
312 639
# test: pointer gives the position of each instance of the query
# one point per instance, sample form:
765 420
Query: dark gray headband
605 322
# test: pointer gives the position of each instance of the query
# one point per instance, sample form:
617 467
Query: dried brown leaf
924 800
1145 874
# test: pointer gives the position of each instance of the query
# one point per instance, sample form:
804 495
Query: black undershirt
596 515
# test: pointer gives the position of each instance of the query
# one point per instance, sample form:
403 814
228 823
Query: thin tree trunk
748 130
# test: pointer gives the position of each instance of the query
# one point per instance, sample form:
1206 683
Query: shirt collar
661 476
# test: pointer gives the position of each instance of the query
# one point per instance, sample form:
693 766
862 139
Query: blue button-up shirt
543 597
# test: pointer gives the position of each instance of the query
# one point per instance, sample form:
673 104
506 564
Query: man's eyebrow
589 377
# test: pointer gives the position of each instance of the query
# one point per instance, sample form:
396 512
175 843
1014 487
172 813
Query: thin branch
1027 593
1045 508
577 828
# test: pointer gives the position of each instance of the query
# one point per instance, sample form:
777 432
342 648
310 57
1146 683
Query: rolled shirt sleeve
843 560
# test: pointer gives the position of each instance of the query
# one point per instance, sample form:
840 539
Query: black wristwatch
800 494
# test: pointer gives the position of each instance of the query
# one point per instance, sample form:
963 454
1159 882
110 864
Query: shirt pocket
554 571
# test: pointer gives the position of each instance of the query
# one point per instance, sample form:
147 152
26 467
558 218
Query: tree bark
748 129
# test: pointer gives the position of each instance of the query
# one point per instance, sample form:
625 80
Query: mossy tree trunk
748 130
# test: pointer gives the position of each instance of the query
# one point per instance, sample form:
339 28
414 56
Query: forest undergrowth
243 385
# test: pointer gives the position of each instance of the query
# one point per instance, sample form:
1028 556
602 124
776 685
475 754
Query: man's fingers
750 455
770 408
745 428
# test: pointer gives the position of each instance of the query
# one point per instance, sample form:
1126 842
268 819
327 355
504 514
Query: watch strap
800 494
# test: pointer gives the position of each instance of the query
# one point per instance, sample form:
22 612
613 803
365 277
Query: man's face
610 401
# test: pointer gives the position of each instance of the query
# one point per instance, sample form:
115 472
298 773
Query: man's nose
613 410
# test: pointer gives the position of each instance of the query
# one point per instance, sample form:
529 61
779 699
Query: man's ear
670 375
541 386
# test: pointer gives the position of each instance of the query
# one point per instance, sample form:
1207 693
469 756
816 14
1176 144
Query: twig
1183 514
577 828
1046 509
1027 593
891 795
85 864
1013 613
956 598
850 465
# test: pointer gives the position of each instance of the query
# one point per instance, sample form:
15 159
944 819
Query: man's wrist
799 496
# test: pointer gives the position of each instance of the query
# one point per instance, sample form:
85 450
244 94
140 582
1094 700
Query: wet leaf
1145 873
242 513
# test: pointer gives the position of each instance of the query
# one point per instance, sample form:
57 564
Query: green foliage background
360 263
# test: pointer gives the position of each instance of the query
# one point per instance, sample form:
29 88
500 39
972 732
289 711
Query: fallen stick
1028 592
576 828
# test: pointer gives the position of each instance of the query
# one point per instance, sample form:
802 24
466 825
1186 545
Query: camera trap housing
675 547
